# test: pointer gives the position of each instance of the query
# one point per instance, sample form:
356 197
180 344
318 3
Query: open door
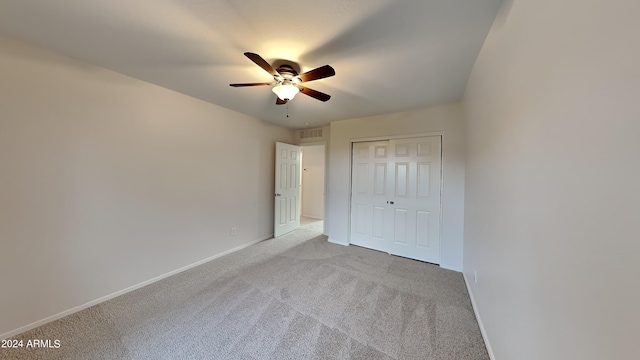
287 189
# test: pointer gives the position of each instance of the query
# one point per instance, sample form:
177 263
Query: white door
287 189
395 197
370 195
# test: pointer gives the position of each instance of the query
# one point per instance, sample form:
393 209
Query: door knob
390 202
277 194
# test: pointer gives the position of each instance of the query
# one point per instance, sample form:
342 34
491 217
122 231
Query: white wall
107 181
553 181
313 164
447 119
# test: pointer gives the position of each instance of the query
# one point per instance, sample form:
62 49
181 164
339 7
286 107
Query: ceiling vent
310 134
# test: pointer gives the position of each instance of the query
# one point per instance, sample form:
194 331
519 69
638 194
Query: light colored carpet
295 297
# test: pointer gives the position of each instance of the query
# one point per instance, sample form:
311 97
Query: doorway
313 181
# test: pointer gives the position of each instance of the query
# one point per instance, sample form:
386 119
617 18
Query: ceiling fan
287 81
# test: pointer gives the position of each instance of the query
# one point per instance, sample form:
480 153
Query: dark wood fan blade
280 101
314 93
318 73
262 63
250 84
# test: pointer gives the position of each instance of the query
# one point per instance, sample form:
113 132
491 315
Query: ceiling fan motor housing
287 71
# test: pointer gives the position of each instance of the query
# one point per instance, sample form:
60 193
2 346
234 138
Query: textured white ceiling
389 55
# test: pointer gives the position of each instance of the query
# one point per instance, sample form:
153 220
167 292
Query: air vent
310 134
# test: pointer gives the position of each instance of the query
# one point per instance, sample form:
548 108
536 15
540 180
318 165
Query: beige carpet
295 297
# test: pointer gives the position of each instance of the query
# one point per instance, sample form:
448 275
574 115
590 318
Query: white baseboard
452 268
312 217
49 319
337 243
480 324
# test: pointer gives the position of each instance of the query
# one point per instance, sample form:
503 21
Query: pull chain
287 108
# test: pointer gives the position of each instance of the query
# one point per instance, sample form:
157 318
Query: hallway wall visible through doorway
313 173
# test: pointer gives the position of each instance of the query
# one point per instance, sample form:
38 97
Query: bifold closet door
395 197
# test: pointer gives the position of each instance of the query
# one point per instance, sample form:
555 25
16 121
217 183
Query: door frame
393 137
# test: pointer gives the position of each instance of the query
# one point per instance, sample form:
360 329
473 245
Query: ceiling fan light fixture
285 91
